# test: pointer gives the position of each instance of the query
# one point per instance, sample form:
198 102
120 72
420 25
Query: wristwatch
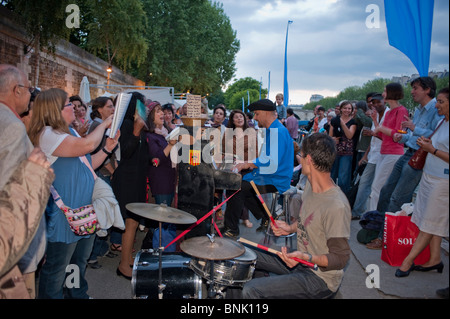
435 151
309 257
106 152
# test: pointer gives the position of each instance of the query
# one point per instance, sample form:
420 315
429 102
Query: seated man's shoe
228 233
264 225
375 244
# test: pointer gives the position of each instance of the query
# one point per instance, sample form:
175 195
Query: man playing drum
323 230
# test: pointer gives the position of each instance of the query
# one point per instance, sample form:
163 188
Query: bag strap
56 197
436 128
86 162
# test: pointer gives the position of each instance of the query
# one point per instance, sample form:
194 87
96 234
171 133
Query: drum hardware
161 213
212 248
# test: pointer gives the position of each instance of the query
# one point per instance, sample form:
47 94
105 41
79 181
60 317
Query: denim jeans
342 172
284 283
52 277
168 230
245 198
364 189
399 187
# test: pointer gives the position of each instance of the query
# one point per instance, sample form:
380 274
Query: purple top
162 179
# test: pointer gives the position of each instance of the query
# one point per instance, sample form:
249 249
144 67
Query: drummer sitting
271 171
322 234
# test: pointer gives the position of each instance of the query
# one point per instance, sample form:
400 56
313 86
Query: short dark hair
370 94
290 111
426 82
394 91
220 107
444 91
168 107
75 98
322 149
99 103
361 105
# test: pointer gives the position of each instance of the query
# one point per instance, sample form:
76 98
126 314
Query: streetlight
109 70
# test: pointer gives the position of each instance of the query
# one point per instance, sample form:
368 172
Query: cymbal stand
161 286
211 290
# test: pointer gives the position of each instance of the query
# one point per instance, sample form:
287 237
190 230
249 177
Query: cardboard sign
194 105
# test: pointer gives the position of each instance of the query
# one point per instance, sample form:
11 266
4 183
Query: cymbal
161 213
216 249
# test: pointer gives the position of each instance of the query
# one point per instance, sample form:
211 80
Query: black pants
246 197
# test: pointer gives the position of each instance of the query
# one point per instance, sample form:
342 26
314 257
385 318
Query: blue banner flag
286 86
409 24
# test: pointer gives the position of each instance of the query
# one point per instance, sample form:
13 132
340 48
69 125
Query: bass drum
179 280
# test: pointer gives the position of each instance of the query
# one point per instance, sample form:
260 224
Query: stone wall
64 69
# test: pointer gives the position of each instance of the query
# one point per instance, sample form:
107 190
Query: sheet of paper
123 100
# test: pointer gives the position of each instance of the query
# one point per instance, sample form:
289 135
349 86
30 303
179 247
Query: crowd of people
49 138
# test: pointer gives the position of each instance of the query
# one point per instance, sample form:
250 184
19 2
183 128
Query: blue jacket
276 161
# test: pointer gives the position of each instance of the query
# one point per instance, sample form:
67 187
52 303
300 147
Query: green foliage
192 46
238 90
44 21
236 99
116 30
356 93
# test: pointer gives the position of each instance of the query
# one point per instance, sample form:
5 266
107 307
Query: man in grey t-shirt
323 230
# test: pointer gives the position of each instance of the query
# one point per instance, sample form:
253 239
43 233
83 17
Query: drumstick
263 203
273 251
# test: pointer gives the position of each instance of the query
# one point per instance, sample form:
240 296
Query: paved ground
105 284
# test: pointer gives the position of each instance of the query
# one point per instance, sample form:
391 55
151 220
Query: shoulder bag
83 220
417 161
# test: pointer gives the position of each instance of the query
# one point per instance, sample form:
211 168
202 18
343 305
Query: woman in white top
431 206
74 182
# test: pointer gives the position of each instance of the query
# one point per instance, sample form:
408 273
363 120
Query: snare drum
235 272
181 282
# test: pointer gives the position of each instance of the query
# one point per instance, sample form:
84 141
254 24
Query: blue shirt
425 119
74 183
275 165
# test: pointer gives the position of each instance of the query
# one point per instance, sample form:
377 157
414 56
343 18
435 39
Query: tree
238 90
116 31
44 22
192 46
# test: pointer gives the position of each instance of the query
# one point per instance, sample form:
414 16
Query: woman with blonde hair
74 182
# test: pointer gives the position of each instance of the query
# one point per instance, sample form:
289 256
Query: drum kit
220 261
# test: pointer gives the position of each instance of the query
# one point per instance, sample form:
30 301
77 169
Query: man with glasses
15 147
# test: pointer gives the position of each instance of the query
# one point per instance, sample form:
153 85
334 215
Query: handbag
417 161
83 220
399 237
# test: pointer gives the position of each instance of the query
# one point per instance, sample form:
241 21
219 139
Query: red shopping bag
399 237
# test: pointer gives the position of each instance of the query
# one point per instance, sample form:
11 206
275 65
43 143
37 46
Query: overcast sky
329 48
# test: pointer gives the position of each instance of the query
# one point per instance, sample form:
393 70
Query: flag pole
286 86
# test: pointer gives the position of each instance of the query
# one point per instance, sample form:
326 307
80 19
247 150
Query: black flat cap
262 105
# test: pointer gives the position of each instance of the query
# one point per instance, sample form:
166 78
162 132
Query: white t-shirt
375 145
434 165
49 142
322 123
